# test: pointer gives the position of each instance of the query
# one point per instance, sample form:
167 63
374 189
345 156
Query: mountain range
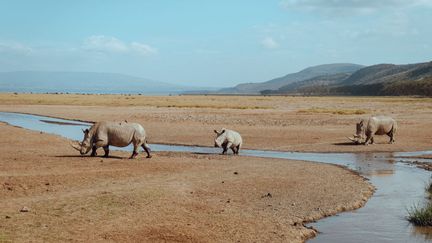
84 82
346 79
305 74
327 79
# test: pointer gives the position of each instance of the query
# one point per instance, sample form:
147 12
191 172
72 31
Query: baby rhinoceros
228 139
375 125
103 134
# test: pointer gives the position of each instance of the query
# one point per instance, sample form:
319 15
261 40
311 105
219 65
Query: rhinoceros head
360 131
220 137
84 146
360 128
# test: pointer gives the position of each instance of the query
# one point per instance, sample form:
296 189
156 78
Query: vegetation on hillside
382 79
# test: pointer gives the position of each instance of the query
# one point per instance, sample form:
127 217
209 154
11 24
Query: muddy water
382 219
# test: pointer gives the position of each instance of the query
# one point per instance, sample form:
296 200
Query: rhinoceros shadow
203 153
82 156
345 144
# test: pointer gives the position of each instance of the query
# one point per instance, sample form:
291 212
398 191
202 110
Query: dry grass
335 111
4 238
212 102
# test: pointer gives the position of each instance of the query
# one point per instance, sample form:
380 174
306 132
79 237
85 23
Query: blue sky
210 43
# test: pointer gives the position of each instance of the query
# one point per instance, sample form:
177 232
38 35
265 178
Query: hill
305 74
381 79
383 73
82 82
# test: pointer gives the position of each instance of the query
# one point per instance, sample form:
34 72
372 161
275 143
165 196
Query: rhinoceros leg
147 149
134 152
367 140
391 135
235 149
372 140
134 155
106 149
226 147
224 150
93 153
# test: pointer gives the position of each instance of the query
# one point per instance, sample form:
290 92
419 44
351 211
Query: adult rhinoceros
228 139
103 134
375 125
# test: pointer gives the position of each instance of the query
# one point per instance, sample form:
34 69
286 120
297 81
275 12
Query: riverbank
305 124
173 196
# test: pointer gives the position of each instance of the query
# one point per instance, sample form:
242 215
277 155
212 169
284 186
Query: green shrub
421 216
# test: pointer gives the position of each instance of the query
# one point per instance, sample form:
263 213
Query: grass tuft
420 216
4 238
429 187
334 111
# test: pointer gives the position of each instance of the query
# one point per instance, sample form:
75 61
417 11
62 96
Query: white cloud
269 43
389 26
15 48
108 44
142 49
104 43
341 7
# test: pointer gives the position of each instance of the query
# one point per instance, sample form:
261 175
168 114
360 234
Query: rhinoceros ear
216 131
223 131
85 131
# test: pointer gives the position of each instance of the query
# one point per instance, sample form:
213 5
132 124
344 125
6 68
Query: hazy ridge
83 82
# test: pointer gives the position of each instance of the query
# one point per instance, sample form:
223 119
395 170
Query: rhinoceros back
381 125
120 134
234 137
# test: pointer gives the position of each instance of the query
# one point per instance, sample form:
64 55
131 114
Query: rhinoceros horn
352 139
76 145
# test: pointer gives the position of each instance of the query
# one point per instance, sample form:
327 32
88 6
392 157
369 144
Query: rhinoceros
375 125
228 139
103 134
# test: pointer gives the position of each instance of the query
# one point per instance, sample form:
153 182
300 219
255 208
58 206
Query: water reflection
423 233
372 164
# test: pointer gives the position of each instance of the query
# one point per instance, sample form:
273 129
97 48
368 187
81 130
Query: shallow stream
399 185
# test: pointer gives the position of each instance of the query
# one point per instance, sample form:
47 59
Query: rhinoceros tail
392 132
393 129
145 144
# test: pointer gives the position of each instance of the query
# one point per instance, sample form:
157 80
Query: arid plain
191 197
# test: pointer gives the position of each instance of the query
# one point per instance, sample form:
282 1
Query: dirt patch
172 197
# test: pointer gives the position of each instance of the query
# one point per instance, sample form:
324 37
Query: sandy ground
174 197
316 124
